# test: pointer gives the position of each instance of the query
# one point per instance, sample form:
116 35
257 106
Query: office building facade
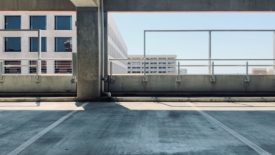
155 64
19 43
117 49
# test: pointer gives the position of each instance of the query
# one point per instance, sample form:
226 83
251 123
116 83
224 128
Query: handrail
177 65
212 30
201 59
209 31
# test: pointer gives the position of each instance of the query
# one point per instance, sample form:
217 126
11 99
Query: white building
155 64
19 42
262 71
117 48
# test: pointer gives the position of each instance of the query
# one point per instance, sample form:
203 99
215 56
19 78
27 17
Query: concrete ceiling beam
85 3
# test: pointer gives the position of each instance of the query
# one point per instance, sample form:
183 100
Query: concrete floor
137 128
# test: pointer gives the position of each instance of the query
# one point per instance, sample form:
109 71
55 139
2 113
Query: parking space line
33 139
214 121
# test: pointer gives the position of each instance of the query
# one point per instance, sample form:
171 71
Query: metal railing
246 66
210 32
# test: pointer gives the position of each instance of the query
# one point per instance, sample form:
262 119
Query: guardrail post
39 63
1 68
178 77
144 56
210 52
213 78
1 72
74 55
247 78
110 78
178 68
39 53
144 72
111 69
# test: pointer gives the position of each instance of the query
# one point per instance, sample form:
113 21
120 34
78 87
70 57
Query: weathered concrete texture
252 126
88 86
34 84
110 128
36 5
189 5
85 3
129 84
18 126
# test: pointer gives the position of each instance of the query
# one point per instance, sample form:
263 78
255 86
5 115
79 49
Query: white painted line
30 141
214 121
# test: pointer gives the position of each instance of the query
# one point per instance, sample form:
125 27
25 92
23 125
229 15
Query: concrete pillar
105 49
88 86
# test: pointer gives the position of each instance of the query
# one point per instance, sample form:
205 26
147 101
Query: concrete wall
30 84
130 84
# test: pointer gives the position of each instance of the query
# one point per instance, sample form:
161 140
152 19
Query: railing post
1 68
213 68
247 68
144 57
111 69
210 52
2 71
178 80
212 78
39 63
144 54
178 68
247 79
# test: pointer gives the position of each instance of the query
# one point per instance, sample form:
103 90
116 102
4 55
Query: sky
188 45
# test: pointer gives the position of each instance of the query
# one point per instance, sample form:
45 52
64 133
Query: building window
63 22
34 44
38 22
33 67
162 72
63 44
12 67
13 22
63 67
12 44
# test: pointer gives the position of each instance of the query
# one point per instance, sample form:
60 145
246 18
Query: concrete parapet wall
127 84
33 84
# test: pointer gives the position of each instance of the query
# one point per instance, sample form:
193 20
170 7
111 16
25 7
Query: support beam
189 5
89 81
36 5
85 3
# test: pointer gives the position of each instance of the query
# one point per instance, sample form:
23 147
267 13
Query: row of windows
152 63
150 67
60 67
161 72
62 44
38 22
